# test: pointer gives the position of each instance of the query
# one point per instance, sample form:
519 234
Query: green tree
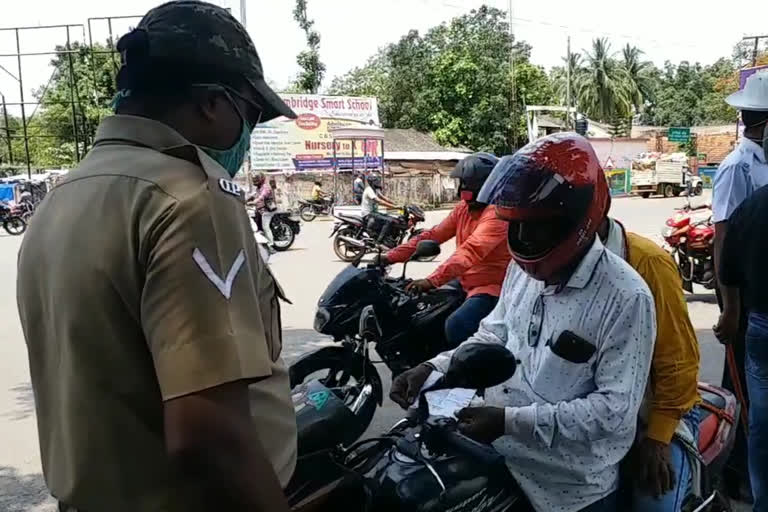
313 70
455 81
602 89
638 76
71 105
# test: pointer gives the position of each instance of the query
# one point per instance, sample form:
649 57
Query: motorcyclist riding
377 223
481 256
580 320
263 201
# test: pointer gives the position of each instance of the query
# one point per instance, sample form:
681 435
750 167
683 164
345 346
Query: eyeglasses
254 111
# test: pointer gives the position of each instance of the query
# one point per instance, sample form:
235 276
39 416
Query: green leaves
454 81
312 69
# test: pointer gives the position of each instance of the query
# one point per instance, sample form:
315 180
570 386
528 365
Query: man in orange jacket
481 257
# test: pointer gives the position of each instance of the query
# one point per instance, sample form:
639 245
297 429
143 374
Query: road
303 272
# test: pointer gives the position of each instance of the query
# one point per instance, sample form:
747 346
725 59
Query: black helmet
472 173
373 180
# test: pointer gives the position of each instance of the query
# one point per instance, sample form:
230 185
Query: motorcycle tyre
283 245
15 226
307 213
425 258
337 246
356 367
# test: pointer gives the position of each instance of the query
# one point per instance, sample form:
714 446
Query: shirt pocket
556 379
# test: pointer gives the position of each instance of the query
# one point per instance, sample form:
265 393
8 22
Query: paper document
446 402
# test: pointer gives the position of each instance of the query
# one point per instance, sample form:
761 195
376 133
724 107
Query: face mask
232 159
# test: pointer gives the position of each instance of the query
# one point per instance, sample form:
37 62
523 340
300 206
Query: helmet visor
523 189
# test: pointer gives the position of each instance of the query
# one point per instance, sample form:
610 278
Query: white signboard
305 144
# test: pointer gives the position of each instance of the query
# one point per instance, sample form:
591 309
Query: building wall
716 145
423 183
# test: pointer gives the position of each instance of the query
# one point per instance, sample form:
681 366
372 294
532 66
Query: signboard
305 144
679 134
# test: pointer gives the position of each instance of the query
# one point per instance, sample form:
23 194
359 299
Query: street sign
679 134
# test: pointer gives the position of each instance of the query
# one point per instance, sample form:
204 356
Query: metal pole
568 88
23 110
754 52
7 129
512 142
112 46
72 100
242 15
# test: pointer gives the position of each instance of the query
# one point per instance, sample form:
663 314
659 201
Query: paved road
304 272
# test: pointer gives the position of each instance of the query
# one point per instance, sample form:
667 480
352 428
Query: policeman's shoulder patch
230 187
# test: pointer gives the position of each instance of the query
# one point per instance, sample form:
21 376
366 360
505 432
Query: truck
666 175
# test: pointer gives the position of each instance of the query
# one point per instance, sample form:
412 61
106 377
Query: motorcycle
309 210
284 226
12 219
351 238
689 237
413 329
424 462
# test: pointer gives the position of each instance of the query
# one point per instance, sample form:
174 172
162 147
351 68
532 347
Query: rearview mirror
480 366
426 249
369 324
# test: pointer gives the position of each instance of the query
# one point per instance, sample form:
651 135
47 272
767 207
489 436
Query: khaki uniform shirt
139 281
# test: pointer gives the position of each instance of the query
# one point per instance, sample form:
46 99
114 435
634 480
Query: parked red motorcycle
688 236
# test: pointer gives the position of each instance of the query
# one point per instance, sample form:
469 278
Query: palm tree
602 90
560 76
637 76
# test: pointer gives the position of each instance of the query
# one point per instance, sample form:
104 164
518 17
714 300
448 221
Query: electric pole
242 15
756 48
568 86
513 142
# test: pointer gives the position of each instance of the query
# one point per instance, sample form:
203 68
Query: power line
573 28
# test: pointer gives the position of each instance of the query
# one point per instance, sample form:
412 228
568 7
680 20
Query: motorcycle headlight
667 232
322 317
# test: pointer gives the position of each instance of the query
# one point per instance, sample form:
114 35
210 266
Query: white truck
666 175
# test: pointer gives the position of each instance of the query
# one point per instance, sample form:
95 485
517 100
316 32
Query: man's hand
483 424
406 387
380 260
727 327
650 464
419 286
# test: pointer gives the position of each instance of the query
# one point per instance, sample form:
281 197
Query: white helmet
754 95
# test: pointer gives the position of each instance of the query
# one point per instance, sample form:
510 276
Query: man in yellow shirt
318 194
659 463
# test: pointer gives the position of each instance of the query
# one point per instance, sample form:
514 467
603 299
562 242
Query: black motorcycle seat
349 218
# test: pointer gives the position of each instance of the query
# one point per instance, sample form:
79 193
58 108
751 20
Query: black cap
202 34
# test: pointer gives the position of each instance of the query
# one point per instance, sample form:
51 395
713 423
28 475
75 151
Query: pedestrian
742 267
481 257
358 187
741 173
579 319
152 324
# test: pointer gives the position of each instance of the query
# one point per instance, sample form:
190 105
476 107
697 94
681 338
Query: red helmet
554 181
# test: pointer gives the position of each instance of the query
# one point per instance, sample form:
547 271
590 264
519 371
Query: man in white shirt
741 173
580 320
378 224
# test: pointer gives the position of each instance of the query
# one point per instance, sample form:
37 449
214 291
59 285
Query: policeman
153 326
